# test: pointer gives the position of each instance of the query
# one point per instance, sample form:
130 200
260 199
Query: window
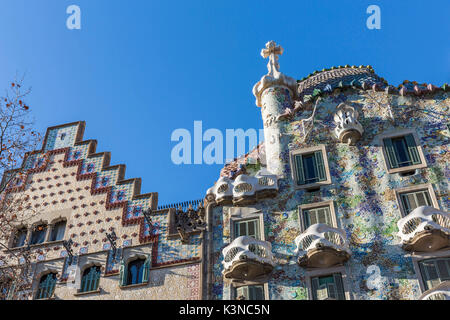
317 215
136 272
415 199
58 231
248 228
317 212
434 271
310 167
20 237
328 287
90 279
46 286
250 293
402 152
38 235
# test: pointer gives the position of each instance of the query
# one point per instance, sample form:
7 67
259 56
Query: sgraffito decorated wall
67 180
362 190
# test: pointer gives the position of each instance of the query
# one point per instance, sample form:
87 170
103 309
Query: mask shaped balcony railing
440 292
247 258
425 229
322 246
245 188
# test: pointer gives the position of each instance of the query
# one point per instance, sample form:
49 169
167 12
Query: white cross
272 51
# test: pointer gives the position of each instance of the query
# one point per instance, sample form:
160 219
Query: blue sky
138 70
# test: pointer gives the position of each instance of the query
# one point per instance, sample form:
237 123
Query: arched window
58 231
38 235
90 279
135 272
20 237
46 286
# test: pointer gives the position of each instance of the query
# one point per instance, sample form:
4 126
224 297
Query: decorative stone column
274 93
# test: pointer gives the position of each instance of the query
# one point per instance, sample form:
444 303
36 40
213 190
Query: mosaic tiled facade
68 181
362 195
265 231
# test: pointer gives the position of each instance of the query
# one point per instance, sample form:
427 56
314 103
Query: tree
17 137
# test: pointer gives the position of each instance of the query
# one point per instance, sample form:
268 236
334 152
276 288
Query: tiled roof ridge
234 167
362 77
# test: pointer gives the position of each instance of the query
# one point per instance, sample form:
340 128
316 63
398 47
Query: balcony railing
322 246
425 229
440 292
247 258
244 188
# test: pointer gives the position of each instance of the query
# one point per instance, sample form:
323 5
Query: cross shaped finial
272 51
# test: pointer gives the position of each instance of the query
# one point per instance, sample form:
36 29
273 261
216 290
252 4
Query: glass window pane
326 280
415 199
135 271
242 229
401 151
313 217
58 231
257 293
251 228
319 215
250 292
20 238
323 215
38 235
309 168
248 228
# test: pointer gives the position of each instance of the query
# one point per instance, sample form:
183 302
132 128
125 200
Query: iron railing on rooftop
184 205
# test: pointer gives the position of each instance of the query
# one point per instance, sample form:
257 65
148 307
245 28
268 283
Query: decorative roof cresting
274 76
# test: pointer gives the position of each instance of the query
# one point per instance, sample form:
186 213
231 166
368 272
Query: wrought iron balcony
247 258
440 292
322 246
425 229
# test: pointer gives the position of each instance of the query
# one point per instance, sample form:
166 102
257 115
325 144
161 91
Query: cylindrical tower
274 93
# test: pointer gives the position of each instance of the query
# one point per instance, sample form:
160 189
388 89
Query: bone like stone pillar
274 93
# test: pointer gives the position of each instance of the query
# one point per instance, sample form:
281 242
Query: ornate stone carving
189 221
274 76
348 129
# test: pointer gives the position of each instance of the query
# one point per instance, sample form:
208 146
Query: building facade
347 198
85 229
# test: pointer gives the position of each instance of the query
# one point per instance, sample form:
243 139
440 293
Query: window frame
236 286
399 134
257 216
420 187
313 273
45 232
417 257
14 237
316 205
52 230
246 221
306 151
143 265
51 295
80 290
434 260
